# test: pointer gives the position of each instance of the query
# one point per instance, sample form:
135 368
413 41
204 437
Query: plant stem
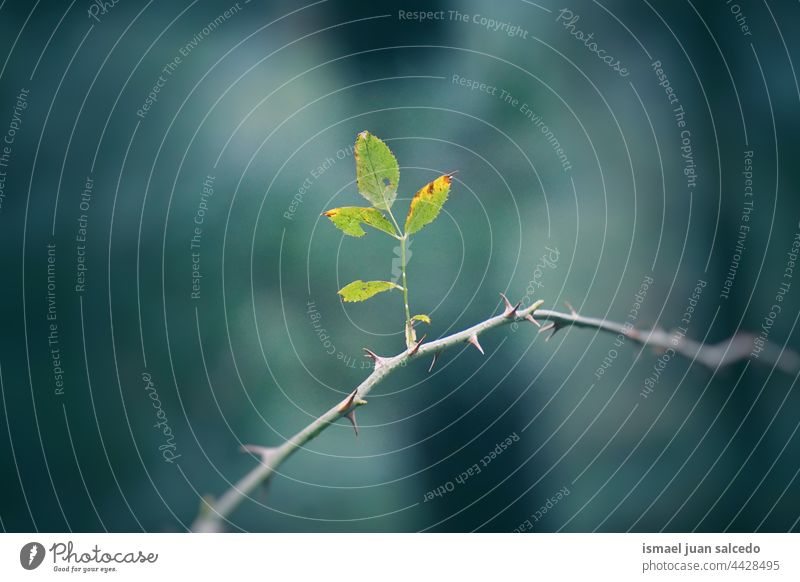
397 226
403 238
408 328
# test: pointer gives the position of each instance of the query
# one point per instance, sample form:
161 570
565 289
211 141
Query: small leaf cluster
378 178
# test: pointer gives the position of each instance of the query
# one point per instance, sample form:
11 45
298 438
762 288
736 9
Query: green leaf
427 203
349 219
423 318
363 290
377 172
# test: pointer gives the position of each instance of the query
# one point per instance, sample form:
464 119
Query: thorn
348 408
347 404
351 416
264 452
433 361
531 310
473 339
379 361
571 308
415 348
510 310
530 318
548 327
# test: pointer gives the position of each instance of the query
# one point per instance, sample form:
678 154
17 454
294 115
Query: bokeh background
262 106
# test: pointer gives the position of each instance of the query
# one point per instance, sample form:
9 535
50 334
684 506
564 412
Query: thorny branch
214 514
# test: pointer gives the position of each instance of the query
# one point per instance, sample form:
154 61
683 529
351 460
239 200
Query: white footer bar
400 557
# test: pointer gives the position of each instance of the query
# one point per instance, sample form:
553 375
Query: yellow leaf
427 203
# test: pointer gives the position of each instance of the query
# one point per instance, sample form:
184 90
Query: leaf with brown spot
349 219
427 203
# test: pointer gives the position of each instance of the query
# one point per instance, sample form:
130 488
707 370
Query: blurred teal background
257 102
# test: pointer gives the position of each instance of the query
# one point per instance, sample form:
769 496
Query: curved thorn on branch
530 318
473 340
415 348
433 361
266 453
510 311
347 408
351 416
547 327
376 359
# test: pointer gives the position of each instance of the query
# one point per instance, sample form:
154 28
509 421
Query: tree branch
213 514
740 346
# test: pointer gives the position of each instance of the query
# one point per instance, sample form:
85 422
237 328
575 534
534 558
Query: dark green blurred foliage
260 104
